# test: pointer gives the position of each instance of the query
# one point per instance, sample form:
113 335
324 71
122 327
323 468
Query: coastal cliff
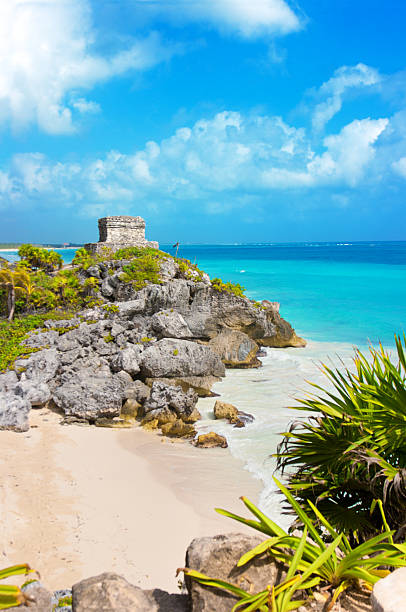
155 322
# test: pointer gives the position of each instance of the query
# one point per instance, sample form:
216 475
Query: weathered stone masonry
121 232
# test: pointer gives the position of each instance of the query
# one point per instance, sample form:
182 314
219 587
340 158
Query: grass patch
232 288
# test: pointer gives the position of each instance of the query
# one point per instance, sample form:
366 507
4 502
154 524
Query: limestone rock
200 384
40 600
210 440
150 425
172 397
235 349
41 366
110 592
131 408
170 602
160 415
171 358
138 391
222 410
14 412
170 324
88 395
178 429
217 557
8 380
127 360
389 594
35 391
41 339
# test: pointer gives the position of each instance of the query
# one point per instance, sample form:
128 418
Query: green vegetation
320 557
353 450
234 289
12 334
176 352
64 601
145 339
108 338
142 270
189 271
40 259
10 595
110 308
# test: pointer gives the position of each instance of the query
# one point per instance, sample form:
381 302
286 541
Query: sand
76 501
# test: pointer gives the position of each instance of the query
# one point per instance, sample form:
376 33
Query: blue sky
216 120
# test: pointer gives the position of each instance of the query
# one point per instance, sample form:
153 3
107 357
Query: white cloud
246 18
333 90
399 167
227 156
46 55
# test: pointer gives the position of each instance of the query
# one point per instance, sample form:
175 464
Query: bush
353 450
234 289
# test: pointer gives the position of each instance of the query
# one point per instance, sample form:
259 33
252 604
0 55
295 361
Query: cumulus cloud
399 167
47 56
332 92
224 156
248 19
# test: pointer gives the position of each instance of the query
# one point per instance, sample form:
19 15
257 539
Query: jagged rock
88 395
14 411
131 408
171 358
200 384
222 410
41 366
210 440
40 600
41 339
150 425
170 324
389 594
284 335
8 381
235 349
138 391
172 397
178 429
160 415
127 360
35 391
110 592
66 343
124 378
217 557
169 602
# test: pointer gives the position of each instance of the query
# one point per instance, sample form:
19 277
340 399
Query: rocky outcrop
168 397
120 232
217 557
110 592
235 349
222 410
210 440
88 396
14 412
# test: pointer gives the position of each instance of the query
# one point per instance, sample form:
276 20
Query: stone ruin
119 233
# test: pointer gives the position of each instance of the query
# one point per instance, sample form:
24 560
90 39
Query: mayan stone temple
120 232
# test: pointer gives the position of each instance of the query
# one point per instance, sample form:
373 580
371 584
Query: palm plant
10 595
353 449
312 561
16 282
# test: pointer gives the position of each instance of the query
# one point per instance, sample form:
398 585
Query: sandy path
76 501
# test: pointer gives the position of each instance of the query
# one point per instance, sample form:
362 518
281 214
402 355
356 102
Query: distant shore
46 248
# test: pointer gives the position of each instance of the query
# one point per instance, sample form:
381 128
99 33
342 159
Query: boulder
210 440
131 409
217 557
8 381
168 396
127 360
36 392
178 429
138 391
172 358
41 339
110 592
200 384
389 594
170 602
41 366
39 599
14 412
89 395
222 410
235 349
160 415
170 324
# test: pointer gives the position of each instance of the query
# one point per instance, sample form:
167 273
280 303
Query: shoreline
72 510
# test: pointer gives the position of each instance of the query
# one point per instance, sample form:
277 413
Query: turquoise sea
336 295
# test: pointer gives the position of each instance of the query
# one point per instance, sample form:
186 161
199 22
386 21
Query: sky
218 121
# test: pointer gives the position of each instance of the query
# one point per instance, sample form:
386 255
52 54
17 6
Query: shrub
234 289
143 270
353 450
11 596
38 258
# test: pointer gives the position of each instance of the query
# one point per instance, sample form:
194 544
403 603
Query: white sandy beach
76 501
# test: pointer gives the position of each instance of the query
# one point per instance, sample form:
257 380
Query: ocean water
337 296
